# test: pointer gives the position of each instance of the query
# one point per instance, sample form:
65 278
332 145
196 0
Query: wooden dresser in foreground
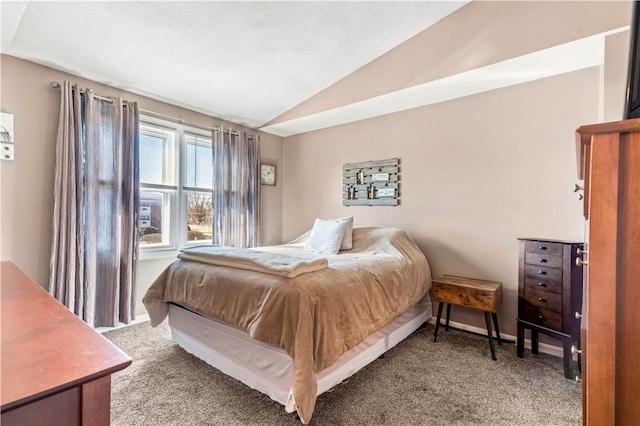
56 370
609 164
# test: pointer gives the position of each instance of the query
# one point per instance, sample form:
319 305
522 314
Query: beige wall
27 183
479 171
614 76
476 174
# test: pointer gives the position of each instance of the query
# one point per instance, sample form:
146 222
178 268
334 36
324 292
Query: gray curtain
94 242
236 189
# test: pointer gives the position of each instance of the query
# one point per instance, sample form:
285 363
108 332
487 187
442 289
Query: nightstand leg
520 340
567 359
435 332
487 319
534 342
495 322
446 325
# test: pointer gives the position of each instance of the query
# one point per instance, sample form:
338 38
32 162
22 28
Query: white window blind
198 163
157 157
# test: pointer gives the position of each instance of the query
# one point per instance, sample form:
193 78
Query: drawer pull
542 272
575 351
543 260
542 284
541 318
542 299
542 247
578 315
578 379
581 251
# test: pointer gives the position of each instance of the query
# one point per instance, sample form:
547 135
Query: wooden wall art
371 183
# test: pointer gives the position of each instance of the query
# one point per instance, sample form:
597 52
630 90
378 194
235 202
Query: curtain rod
57 85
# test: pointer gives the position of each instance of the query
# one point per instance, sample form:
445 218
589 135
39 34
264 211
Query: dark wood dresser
609 164
56 370
549 295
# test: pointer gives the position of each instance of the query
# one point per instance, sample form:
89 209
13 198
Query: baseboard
542 347
139 319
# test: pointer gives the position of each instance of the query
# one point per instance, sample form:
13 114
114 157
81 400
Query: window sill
151 254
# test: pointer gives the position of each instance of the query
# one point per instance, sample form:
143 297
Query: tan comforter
314 317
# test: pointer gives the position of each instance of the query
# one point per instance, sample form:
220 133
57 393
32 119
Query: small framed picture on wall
267 174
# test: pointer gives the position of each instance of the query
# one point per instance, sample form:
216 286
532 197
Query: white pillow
326 236
347 240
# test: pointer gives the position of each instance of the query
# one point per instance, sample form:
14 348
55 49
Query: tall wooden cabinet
609 163
549 295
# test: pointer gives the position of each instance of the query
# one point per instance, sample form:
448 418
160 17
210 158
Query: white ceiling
245 62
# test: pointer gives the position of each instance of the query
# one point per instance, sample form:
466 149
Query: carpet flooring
419 382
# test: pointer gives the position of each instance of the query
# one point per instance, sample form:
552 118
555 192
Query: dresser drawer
543 247
551 261
543 272
543 317
542 284
543 299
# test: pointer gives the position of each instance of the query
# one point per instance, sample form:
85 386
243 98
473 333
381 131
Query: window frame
175 204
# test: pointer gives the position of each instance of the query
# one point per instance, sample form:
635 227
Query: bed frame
269 369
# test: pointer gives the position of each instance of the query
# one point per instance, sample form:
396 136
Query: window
175 185
198 184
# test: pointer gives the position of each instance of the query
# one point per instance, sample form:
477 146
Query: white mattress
270 369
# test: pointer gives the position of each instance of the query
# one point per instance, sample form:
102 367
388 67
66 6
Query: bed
289 322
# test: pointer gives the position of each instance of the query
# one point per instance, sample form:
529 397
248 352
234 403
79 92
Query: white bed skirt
270 369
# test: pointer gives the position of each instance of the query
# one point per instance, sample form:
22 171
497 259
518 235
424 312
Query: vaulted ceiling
245 62
289 67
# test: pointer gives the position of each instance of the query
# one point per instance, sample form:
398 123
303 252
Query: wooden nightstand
471 293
